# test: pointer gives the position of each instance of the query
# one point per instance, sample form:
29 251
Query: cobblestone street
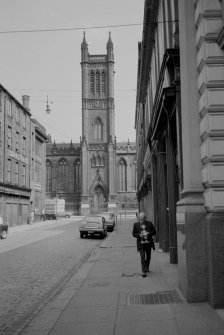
31 273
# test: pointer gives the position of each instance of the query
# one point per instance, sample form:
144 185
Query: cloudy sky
41 64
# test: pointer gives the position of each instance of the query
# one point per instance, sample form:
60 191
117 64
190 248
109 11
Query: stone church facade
98 173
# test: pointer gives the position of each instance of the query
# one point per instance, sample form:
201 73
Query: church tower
98 145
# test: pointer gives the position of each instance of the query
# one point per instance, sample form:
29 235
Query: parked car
110 221
59 215
93 225
65 215
3 229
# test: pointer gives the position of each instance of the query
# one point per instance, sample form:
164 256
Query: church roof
63 148
125 147
74 148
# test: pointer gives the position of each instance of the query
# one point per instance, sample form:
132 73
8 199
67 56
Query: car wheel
81 235
4 234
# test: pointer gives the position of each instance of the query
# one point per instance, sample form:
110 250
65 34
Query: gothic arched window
92 82
122 175
98 82
98 129
98 160
63 177
103 82
93 160
134 175
49 176
77 176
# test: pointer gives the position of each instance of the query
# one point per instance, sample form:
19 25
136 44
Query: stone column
112 195
190 209
85 199
210 60
85 84
110 83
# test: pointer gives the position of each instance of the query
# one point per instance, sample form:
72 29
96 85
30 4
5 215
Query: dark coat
149 228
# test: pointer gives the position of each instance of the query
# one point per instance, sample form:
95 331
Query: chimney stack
26 101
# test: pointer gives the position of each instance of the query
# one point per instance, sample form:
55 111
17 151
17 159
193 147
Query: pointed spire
109 42
71 144
84 48
84 43
109 39
110 48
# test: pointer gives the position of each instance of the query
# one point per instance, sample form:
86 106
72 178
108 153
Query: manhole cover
162 297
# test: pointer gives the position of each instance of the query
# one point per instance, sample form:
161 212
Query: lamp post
56 202
125 204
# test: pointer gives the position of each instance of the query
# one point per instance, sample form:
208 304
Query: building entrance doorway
98 199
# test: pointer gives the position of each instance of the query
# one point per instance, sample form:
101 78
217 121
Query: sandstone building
98 173
22 160
180 138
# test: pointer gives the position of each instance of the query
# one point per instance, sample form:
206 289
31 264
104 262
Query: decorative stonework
97 146
97 58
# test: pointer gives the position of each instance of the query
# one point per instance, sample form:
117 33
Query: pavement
108 296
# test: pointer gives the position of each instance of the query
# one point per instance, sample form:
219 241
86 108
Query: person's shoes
144 274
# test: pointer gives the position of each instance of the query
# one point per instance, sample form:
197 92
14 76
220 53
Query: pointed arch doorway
99 199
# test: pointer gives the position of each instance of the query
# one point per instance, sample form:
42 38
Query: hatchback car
110 221
3 229
93 225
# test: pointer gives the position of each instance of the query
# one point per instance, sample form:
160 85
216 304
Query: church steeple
84 48
110 53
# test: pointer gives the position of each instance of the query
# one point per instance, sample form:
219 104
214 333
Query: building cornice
149 25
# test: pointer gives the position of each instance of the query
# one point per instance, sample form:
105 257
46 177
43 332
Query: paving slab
106 300
98 299
83 329
167 327
88 314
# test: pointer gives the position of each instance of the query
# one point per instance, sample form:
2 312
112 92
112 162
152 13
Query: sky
47 64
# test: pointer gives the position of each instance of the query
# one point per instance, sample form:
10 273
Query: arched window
77 181
92 86
134 175
103 82
98 160
93 160
63 177
98 82
122 175
98 129
48 176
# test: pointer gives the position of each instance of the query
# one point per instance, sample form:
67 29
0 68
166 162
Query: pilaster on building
180 92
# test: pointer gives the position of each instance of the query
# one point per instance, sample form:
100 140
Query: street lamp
58 187
48 110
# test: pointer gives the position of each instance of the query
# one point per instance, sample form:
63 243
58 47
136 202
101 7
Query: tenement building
22 160
98 173
180 138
